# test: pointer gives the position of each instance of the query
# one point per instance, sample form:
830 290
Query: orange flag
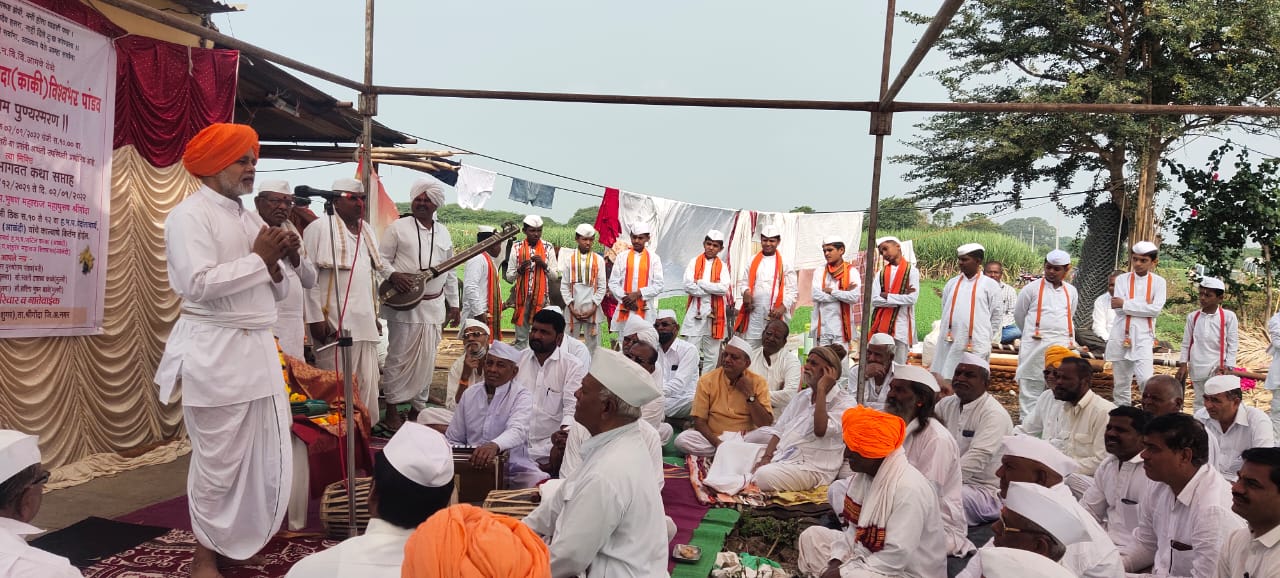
387 212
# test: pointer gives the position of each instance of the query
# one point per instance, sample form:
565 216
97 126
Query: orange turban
872 434
464 541
217 146
1054 355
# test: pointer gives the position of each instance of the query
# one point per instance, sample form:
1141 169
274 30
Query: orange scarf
885 319
494 292
524 309
843 282
641 282
717 301
775 290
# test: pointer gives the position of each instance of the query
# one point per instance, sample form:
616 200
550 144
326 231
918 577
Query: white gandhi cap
881 339
18 451
889 239
275 187
1145 248
641 229
832 240
585 230
1058 258
967 248
421 454
917 374
1221 384
666 314
1213 283
533 221
770 231
1050 509
474 324
971 358
740 344
1015 563
501 350
625 379
715 235
347 185
1038 450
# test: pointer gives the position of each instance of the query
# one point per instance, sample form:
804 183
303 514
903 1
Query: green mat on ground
673 461
709 535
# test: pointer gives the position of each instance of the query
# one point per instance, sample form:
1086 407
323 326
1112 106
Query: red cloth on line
166 93
608 227
324 454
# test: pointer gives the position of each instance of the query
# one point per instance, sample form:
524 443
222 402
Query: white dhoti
411 362
364 366
1123 372
435 416
786 477
708 351
779 398
300 489
240 473
588 333
691 442
1029 392
815 546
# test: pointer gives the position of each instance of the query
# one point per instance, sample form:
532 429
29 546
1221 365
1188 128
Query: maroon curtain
166 93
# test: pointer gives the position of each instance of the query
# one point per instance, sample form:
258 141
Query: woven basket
333 508
514 503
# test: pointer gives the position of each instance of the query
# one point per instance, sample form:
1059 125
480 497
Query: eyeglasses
43 479
471 334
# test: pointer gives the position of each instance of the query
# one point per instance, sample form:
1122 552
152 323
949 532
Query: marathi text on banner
57 96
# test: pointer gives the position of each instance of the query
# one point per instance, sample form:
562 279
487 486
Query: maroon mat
170 555
681 504
174 514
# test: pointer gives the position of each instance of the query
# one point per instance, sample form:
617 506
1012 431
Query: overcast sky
757 159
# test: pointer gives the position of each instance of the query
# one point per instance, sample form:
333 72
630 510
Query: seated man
1035 461
466 370
978 423
572 346
645 354
1015 563
1187 517
879 371
1072 418
1120 485
780 367
679 362
1256 498
412 479
805 448
551 375
460 540
22 480
730 399
608 520
494 418
930 448
1038 519
1235 426
889 508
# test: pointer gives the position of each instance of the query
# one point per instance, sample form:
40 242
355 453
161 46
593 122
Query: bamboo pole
940 21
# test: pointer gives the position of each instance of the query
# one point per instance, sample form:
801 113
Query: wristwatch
751 399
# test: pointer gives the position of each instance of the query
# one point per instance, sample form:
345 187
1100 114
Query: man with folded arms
978 423
707 281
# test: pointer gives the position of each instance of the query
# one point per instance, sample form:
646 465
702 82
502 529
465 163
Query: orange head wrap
464 541
872 434
1054 355
217 146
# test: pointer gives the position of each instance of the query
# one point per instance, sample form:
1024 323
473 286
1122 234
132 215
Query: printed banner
57 98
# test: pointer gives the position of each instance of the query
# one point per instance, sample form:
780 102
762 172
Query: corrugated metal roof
206 6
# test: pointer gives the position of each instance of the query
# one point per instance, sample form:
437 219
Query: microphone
305 191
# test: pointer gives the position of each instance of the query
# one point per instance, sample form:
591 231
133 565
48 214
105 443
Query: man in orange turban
890 510
464 541
228 267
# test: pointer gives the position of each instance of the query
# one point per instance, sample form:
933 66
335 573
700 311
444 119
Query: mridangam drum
473 484
514 503
333 508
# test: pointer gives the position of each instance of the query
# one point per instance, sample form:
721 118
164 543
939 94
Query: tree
1030 228
803 209
978 222
899 214
942 219
584 215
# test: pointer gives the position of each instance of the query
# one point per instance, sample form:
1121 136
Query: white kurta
934 453
378 553
1140 314
964 301
290 328
504 420
20 560
475 286
1056 327
607 519
1118 490
1008 302
1104 317
697 317
782 374
826 318
649 293
1074 428
579 288
904 327
576 349
1198 519
325 299
578 435
1096 557
414 335
979 428
679 377
800 454
876 394
1209 341
552 385
1251 429
765 293
1246 555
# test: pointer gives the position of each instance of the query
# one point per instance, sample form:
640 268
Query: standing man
679 362
707 281
1010 329
636 280
1209 341
971 314
274 203
1120 483
531 268
227 267
584 289
1072 418
1255 496
839 288
414 244
481 291
22 480
1044 311
607 520
767 291
1138 298
893 297
552 376
1094 337
780 367
343 297
1232 424
979 424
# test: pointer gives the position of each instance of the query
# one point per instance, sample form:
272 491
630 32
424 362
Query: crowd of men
927 477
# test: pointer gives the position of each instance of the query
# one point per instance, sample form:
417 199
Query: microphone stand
348 391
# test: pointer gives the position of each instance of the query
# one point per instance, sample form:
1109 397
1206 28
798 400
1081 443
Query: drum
514 503
472 484
333 508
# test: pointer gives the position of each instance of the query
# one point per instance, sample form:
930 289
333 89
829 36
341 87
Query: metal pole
349 414
881 125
